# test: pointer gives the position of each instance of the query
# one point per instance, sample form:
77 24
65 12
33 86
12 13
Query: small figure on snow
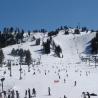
67 75
88 94
0 95
59 77
86 74
65 96
25 93
4 94
83 94
34 73
49 91
45 72
29 94
9 94
75 83
17 94
13 94
34 92
64 80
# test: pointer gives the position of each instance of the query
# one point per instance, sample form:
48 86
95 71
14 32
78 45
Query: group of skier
9 94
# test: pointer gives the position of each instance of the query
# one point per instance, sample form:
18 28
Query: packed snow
67 76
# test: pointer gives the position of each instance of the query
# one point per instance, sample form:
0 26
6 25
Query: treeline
41 31
25 56
94 44
22 54
49 45
18 52
56 31
1 57
9 36
77 30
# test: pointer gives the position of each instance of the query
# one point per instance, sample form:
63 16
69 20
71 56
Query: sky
48 14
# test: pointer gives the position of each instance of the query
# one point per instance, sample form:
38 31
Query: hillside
67 76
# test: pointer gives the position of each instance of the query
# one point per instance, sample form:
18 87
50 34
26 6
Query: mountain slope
59 74
73 45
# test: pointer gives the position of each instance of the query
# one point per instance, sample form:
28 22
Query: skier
75 83
64 80
67 75
59 76
86 74
65 96
12 93
0 95
4 94
34 91
4 72
17 94
83 94
45 72
9 94
29 94
49 91
88 94
34 73
26 94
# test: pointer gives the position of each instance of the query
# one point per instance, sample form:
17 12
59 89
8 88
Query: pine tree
76 31
28 59
46 47
38 41
58 50
1 57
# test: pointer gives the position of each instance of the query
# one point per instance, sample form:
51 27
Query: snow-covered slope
59 74
73 45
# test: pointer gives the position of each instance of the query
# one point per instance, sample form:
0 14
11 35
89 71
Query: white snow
70 68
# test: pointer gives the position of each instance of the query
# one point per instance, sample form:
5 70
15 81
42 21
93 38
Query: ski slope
59 74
